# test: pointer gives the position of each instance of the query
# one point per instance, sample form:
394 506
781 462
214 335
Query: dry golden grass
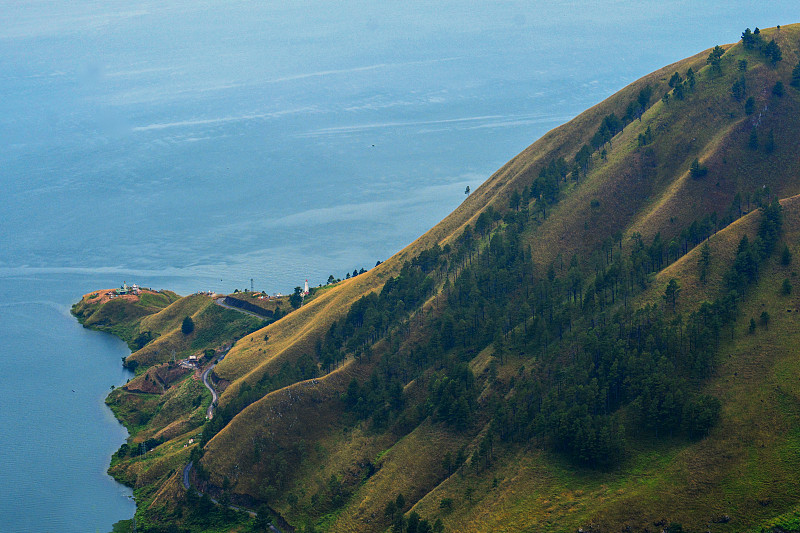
665 199
171 317
343 454
723 246
303 411
167 325
296 333
412 467
170 491
617 183
161 349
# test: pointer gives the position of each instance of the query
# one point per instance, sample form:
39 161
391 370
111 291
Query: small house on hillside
191 362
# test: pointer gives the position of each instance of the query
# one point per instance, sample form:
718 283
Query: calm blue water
195 145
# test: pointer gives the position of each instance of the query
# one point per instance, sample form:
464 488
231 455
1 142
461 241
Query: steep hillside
571 348
633 189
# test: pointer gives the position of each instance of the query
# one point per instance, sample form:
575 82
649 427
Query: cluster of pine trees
627 371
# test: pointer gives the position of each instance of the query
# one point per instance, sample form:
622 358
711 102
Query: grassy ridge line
648 205
174 412
746 467
170 318
409 467
624 190
298 332
565 140
167 325
214 326
723 246
302 411
119 316
572 223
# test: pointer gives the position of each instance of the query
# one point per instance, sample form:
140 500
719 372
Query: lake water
196 145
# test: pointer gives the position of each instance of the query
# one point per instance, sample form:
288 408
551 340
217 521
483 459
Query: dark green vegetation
602 336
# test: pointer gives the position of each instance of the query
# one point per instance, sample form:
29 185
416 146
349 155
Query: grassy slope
214 326
744 469
303 411
171 317
533 488
708 125
628 200
121 316
297 333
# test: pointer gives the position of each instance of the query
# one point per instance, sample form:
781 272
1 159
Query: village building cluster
126 289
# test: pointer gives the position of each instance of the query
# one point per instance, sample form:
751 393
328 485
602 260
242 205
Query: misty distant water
196 145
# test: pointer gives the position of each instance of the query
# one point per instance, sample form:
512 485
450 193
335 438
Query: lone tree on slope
671 292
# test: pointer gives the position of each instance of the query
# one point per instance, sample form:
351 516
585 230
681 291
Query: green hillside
601 337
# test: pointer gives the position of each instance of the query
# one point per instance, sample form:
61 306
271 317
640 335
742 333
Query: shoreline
107 409
160 439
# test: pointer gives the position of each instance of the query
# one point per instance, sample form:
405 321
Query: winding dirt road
214 397
187 484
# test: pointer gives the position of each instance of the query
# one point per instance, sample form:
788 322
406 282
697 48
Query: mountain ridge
472 381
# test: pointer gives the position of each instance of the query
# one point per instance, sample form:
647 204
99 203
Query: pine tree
786 256
773 52
671 292
769 143
748 40
750 106
752 142
715 59
187 326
